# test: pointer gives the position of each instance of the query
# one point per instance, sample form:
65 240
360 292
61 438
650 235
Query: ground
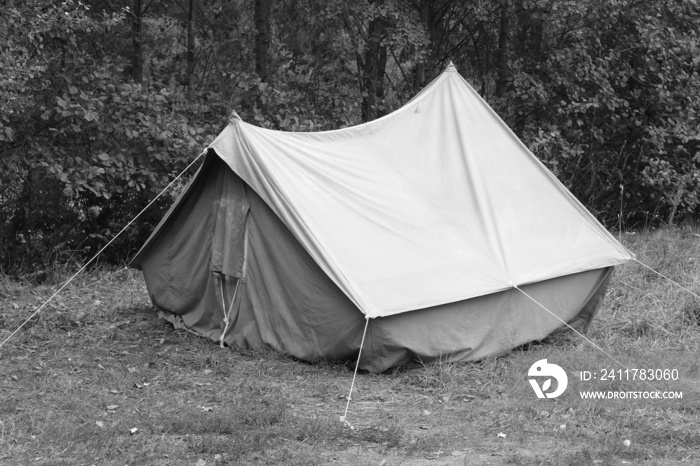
98 378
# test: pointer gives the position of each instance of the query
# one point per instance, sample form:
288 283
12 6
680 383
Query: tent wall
221 232
486 326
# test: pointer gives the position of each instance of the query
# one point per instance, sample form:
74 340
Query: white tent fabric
383 216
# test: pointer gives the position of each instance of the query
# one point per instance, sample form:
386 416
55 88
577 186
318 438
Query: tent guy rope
667 278
576 331
344 417
101 250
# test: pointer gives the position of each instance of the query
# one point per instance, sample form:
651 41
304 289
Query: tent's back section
222 241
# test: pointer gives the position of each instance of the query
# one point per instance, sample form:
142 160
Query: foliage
603 92
83 149
611 108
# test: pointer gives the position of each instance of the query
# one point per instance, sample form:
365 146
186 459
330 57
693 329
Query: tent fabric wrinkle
422 221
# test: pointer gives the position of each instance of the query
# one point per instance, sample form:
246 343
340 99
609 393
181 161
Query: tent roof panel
434 203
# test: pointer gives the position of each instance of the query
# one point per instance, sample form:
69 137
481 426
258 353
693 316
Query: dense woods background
102 102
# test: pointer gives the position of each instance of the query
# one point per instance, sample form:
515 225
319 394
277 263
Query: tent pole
343 418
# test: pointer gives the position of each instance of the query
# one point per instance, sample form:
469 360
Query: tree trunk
190 51
137 46
263 37
372 70
424 15
503 33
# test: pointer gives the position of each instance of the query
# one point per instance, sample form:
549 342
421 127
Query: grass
97 363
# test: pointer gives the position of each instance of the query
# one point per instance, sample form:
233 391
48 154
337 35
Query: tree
190 50
136 40
503 39
372 64
263 9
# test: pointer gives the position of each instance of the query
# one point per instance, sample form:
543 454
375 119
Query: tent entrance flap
230 207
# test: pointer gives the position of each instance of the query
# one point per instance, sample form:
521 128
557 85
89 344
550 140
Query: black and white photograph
350 232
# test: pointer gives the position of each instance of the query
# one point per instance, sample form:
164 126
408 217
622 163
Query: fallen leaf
132 370
138 386
208 371
207 408
112 407
100 423
100 366
200 462
424 427
458 453
133 430
426 412
114 391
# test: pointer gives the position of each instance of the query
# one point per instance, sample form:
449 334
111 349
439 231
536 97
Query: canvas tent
423 221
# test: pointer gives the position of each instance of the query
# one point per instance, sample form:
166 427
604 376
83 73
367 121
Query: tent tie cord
101 250
227 315
344 417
